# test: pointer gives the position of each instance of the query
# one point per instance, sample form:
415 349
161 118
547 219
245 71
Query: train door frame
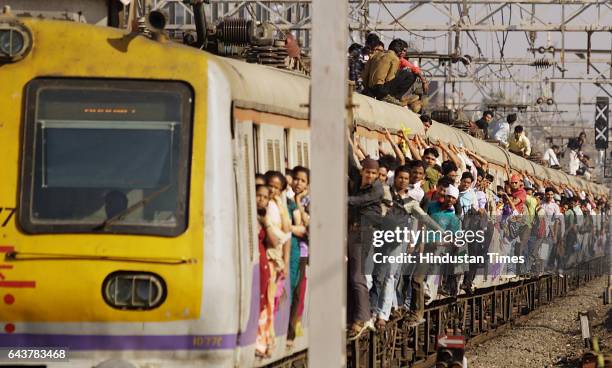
265 133
298 146
246 223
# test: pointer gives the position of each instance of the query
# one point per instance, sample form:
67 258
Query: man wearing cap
364 214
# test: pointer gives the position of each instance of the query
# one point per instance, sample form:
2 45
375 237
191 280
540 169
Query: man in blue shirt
448 220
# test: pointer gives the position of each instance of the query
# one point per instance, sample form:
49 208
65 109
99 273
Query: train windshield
106 156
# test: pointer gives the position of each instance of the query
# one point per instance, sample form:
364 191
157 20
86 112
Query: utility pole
328 115
608 291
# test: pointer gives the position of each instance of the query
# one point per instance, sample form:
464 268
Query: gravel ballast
551 336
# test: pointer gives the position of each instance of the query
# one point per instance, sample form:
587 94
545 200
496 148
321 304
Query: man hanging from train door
364 205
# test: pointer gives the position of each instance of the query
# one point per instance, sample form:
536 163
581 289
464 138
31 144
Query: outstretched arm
478 159
414 150
415 209
451 155
398 152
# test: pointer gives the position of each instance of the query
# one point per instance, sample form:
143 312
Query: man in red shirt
518 193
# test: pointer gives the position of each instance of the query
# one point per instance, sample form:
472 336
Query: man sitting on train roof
518 143
501 129
483 123
384 80
551 157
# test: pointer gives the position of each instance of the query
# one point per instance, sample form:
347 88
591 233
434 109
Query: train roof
276 91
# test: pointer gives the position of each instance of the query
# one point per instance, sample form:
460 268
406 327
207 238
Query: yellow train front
119 211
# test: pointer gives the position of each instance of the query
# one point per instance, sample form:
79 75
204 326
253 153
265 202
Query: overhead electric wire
503 45
406 29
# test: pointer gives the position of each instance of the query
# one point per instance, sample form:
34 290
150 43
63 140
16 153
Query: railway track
478 317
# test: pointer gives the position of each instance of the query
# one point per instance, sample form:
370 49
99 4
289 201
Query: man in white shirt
552 214
417 173
501 129
574 161
550 156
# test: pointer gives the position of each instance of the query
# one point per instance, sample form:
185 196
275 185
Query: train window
106 156
270 149
306 161
300 160
277 154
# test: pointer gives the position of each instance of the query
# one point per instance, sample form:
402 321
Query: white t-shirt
574 162
500 131
551 157
552 213
551 209
416 192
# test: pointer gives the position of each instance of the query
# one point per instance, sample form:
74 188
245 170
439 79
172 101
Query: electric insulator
550 101
542 63
551 49
541 50
540 101
235 31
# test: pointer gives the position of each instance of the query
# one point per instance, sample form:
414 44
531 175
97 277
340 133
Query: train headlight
15 41
134 290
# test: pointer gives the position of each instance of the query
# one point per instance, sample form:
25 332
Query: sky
516 45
